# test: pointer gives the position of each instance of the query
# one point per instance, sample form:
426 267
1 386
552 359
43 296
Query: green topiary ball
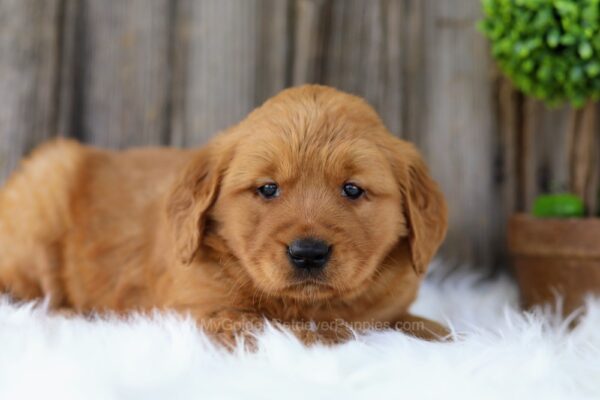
550 49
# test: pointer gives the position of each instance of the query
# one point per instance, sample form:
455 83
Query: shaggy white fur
500 353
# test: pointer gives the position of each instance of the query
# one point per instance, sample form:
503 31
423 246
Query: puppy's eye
269 191
352 191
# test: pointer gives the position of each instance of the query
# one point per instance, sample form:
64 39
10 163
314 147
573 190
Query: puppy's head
311 195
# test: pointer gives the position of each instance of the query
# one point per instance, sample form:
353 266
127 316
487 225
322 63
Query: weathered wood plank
583 155
373 49
544 151
68 88
364 54
29 32
122 98
508 117
310 20
412 22
593 199
274 48
226 63
509 120
459 132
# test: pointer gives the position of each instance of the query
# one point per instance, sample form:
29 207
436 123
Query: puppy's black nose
309 253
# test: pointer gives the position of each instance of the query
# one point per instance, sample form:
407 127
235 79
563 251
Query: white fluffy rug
500 353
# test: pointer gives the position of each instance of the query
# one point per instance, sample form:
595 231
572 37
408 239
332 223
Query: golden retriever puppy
307 210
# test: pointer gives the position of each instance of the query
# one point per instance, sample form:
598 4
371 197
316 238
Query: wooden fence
121 73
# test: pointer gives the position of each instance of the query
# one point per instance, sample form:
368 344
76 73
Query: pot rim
554 237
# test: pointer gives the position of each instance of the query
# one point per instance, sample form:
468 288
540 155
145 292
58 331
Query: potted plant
550 49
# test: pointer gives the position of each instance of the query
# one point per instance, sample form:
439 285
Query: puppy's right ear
191 197
423 204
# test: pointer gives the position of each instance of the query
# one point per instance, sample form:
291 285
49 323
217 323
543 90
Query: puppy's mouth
309 283
309 288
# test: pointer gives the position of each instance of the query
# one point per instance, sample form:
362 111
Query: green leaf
576 74
558 206
553 38
585 50
593 69
567 39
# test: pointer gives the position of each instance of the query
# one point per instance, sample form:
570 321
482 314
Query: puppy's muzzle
309 254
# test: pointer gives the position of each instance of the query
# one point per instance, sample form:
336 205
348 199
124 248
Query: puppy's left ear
190 199
423 203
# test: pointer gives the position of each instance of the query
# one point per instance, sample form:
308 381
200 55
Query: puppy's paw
322 332
422 328
232 328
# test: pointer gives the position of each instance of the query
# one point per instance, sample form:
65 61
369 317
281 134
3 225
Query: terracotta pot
555 256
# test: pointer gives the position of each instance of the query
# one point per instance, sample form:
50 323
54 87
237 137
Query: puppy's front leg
339 331
231 325
321 332
421 328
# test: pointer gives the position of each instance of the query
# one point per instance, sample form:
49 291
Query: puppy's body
163 228
82 225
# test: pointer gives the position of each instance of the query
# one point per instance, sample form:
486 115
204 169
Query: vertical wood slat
355 46
509 121
584 155
230 56
274 48
593 199
310 29
459 130
29 40
412 23
509 129
67 86
217 39
124 58
545 156
363 58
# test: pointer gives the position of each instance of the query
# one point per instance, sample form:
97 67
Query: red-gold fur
98 230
